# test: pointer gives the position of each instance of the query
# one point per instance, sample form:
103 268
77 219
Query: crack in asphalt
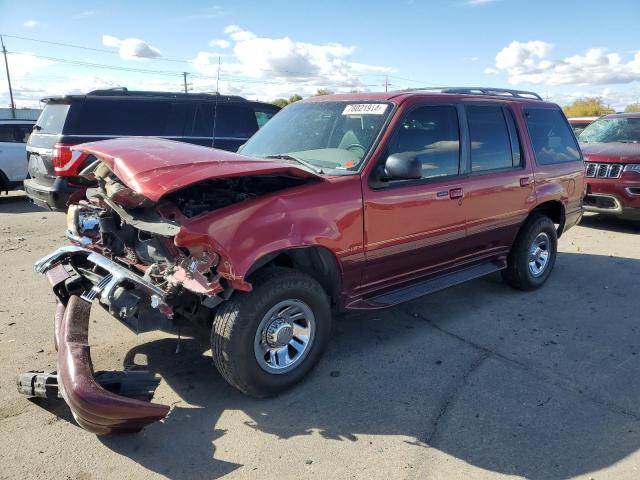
558 381
431 437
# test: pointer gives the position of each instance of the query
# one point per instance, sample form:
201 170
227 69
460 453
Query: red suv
611 147
343 202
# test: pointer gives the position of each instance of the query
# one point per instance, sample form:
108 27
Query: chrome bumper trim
117 276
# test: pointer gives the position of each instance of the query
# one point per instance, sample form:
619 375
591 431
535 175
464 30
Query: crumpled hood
154 167
611 152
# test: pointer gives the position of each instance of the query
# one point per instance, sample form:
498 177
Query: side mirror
403 166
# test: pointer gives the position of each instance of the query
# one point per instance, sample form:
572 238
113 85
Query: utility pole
186 89
6 66
386 83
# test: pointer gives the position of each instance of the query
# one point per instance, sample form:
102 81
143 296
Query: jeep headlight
632 167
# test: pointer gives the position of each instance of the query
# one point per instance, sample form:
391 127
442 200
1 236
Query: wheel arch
555 210
318 262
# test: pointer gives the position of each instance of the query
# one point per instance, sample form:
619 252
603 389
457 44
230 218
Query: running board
424 287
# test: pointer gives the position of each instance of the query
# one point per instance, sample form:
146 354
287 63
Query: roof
399 96
19 121
623 115
143 94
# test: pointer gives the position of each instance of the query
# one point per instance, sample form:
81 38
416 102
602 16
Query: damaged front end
128 255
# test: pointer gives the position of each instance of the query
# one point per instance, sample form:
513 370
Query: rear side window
15 133
490 142
180 120
52 118
264 114
122 117
235 121
432 134
551 136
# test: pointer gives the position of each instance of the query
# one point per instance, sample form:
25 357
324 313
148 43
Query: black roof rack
500 92
125 92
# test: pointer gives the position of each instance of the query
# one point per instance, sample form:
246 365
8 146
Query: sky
561 49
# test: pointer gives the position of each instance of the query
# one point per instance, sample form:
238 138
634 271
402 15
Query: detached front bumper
94 408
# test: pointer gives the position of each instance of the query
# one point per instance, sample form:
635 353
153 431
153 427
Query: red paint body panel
154 167
94 408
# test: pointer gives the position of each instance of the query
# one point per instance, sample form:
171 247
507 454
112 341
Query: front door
416 227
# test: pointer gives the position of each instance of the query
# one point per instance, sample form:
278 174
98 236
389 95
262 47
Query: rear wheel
267 340
533 254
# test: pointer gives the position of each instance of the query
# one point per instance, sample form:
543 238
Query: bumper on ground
94 408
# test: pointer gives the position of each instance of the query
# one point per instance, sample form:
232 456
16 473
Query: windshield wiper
286 156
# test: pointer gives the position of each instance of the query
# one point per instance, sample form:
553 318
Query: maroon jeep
343 202
611 147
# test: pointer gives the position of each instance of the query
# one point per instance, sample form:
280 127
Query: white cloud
477 3
24 63
30 23
282 66
131 48
614 97
529 63
491 71
220 43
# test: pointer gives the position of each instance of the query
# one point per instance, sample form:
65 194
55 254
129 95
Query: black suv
218 121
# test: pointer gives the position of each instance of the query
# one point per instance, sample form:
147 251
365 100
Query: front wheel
265 341
533 254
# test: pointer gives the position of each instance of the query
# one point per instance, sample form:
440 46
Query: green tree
632 107
294 98
323 91
587 107
280 102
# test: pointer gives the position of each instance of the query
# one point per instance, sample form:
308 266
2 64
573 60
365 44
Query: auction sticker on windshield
365 109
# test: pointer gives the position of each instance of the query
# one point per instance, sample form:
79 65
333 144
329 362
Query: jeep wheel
265 341
533 254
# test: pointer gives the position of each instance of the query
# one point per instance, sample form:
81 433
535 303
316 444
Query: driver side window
432 134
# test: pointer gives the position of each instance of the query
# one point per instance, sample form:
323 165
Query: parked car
611 147
578 124
13 157
341 202
218 121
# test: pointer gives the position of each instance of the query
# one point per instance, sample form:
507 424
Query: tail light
66 162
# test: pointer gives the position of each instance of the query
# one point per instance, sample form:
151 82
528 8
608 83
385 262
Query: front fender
327 214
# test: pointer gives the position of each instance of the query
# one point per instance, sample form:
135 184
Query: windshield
327 135
620 129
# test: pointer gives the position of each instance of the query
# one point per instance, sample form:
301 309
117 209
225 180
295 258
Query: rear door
234 124
13 158
501 186
46 133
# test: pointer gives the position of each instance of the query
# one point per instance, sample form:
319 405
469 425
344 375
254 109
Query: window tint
432 134
6 133
489 136
122 117
550 136
235 121
264 114
52 118
15 133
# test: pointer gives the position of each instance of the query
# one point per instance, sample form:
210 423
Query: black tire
236 322
518 274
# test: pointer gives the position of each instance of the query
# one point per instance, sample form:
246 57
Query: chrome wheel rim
284 336
539 254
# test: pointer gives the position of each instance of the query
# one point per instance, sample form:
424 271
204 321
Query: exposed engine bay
132 232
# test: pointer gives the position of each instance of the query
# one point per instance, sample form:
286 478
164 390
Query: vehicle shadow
608 222
539 385
17 202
